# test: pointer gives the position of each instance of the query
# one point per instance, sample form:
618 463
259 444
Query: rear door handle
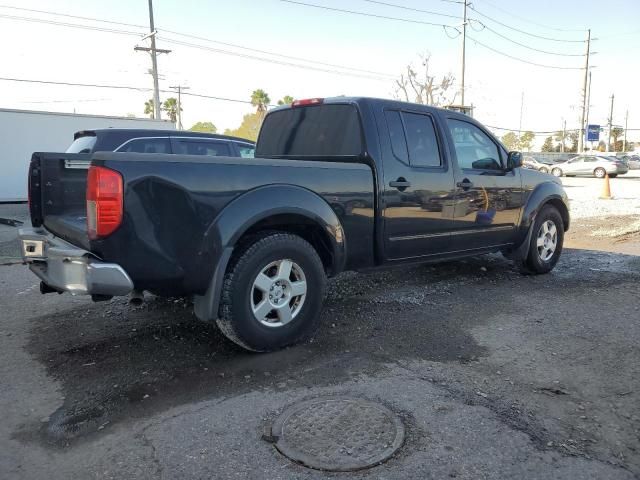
465 184
400 183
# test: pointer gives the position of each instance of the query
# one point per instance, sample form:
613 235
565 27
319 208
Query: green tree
562 137
286 100
249 127
526 140
616 133
170 106
260 99
204 127
573 138
510 141
148 108
547 146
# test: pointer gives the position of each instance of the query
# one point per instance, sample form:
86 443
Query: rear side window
396 134
322 131
413 138
82 144
203 147
146 145
421 140
246 151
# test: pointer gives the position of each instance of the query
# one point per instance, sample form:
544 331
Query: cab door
488 196
418 188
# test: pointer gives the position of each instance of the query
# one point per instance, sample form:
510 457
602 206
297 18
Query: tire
613 175
556 172
255 271
538 258
544 170
599 172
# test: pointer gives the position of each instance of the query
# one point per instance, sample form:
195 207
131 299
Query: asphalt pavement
494 374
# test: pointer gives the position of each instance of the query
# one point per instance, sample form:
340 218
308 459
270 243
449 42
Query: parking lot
493 374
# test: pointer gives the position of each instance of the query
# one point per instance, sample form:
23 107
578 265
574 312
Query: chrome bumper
67 268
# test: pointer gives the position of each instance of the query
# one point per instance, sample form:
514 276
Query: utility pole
624 141
464 41
521 107
154 61
588 109
564 132
179 89
584 96
610 125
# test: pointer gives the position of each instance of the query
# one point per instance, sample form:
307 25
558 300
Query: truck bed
171 201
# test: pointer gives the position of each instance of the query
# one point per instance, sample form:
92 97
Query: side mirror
514 160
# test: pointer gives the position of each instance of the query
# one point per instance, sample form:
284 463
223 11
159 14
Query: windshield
314 131
82 144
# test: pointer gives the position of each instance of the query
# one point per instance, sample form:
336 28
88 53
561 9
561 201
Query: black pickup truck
337 184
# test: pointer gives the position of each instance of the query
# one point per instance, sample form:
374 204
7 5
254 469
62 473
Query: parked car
339 184
632 161
590 165
183 142
532 163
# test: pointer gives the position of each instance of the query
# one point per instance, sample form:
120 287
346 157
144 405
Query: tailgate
57 191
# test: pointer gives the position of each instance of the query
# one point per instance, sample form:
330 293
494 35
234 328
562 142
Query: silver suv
590 165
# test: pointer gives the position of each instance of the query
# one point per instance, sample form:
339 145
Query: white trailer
23 132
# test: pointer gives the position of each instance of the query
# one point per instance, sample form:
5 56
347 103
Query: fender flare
543 194
249 209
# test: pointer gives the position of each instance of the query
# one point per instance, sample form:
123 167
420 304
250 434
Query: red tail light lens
307 101
104 202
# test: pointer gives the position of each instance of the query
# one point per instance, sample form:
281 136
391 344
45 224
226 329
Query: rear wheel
599 172
546 241
273 293
556 172
613 175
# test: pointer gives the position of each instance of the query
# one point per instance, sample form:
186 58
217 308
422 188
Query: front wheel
273 293
546 241
544 169
556 172
599 172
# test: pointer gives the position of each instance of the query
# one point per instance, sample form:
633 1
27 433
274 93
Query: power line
71 25
125 32
523 45
394 5
364 14
551 39
269 60
32 10
186 35
557 67
532 22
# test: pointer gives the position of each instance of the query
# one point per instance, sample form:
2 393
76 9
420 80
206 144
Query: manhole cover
338 434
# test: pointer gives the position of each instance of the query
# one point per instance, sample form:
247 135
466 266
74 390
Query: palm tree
260 99
286 100
148 108
170 106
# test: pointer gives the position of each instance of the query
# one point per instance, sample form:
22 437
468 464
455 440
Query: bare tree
419 86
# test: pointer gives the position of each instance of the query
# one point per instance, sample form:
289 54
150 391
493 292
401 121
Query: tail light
104 202
307 101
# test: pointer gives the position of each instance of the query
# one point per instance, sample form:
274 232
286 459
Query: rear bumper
67 268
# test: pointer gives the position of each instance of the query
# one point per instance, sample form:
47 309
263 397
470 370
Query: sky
367 52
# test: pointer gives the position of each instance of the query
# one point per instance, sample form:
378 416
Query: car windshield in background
82 144
314 131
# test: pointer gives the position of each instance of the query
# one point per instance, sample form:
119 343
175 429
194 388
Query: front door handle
401 184
465 184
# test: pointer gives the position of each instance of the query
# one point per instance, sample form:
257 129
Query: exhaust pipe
136 298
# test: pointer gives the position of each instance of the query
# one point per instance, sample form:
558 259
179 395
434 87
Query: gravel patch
584 196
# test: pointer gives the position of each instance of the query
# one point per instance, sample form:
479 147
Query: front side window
474 148
146 145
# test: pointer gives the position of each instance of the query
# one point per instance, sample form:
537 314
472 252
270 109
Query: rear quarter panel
171 202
